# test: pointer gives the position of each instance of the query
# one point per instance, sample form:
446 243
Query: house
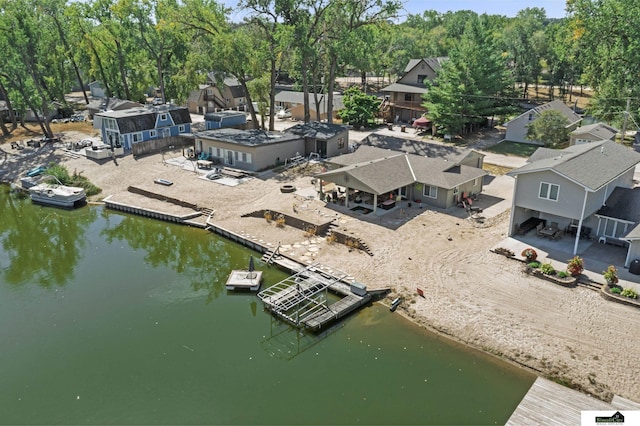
517 128
217 95
383 175
571 186
218 120
403 101
256 149
135 125
592 133
109 104
324 139
251 150
619 221
294 103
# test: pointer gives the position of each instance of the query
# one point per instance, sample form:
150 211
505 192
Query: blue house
127 127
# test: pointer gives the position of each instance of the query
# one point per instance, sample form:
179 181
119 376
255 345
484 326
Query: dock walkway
549 403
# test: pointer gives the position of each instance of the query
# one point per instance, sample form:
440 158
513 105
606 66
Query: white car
283 114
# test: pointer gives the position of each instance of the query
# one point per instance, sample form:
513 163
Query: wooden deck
548 403
337 310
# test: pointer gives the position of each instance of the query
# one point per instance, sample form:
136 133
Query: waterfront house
403 101
569 187
136 125
381 175
257 149
516 129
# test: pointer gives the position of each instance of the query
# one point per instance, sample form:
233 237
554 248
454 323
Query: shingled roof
378 170
590 165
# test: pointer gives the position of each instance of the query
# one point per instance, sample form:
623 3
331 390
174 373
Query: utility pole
626 118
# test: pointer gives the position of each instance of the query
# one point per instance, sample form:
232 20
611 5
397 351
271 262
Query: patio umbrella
422 122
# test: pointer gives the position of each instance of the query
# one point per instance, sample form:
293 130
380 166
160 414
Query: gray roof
139 119
108 104
404 88
220 115
380 170
251 137
316 130
418 147
624 204
599 131
590 165
435 63
556 105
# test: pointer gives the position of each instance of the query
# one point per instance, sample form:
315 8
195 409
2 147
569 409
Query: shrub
575 266
268 216
611 275
529 253
547 269
562 274
534 265
280 221
332 238
616 290
627 292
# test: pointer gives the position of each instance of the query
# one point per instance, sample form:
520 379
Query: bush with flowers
611 275
529 254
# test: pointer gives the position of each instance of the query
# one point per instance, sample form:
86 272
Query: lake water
107 318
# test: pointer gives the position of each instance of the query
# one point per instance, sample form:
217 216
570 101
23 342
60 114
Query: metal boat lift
301 299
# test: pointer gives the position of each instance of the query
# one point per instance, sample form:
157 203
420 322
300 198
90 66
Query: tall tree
549 128
472 86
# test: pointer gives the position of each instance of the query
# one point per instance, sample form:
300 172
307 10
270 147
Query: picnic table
204 164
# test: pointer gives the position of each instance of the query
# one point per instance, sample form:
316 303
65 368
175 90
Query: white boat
56 194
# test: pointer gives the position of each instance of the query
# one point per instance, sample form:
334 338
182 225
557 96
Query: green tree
359 108
472 86
550 128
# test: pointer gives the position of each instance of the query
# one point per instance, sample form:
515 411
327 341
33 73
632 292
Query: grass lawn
513 148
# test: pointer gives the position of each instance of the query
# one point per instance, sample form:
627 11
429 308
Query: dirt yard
471 294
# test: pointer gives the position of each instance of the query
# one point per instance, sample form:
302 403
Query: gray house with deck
570 188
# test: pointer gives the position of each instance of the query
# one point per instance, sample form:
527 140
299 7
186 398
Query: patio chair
557 235
554 225
539 229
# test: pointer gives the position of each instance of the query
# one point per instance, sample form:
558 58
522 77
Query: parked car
283 114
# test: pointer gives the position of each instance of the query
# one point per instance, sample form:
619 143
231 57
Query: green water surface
108 318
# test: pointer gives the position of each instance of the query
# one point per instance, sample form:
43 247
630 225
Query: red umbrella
422 122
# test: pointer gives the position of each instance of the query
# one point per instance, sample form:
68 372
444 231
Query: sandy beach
471 294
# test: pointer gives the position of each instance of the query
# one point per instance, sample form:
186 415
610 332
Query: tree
359 108
472 86
550 127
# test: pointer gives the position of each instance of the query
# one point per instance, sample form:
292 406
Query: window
341 143
181 128
476 181
152 133
137 137
408 97
456 190
549 191
110 123
421 78
430 191
246 158
530 116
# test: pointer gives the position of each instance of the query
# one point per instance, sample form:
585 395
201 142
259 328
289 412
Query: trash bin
634 267
403 128
390 126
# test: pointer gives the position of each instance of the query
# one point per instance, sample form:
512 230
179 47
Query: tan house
213 97
381 176
592 133
403 99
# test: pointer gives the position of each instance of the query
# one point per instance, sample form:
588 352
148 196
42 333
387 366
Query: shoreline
472 296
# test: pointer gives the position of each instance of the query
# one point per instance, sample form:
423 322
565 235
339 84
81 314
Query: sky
554 8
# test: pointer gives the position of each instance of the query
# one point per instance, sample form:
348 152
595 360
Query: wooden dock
549 403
